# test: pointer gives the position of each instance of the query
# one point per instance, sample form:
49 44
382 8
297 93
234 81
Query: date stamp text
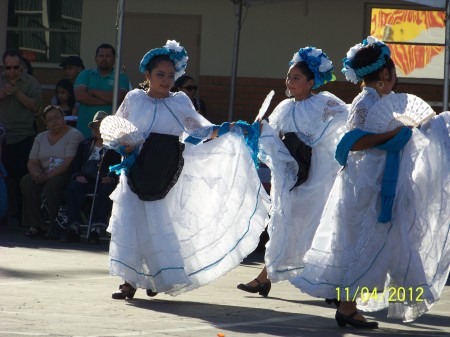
393 294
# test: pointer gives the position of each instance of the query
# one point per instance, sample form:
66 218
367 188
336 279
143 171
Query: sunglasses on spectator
190 87
12 67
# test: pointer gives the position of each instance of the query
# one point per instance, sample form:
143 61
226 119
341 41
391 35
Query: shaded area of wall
251 92
48 77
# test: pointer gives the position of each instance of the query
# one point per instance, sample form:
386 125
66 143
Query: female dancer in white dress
383 240
315 122
212 208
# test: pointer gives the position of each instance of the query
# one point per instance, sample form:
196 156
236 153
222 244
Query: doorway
142 32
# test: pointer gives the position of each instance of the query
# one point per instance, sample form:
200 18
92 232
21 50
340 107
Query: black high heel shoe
125 291
336 302
342 320
151 293
262 288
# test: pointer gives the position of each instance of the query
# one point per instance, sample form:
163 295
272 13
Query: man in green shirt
94 87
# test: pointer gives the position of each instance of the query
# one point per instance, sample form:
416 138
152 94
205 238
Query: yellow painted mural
414 37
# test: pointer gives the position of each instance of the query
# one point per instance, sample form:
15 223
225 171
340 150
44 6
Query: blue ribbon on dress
127 162
392 148
252 133
251 136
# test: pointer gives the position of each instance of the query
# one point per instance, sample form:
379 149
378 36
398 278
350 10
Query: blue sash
392 148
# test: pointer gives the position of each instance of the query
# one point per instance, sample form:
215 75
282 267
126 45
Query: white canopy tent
443 4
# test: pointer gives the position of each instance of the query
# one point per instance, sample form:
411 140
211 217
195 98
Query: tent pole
119 27
447 56
237 33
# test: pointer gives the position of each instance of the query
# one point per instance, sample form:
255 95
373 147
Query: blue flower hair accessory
356 75
175 52
318 62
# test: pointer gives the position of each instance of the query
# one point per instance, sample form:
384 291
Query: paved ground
55 289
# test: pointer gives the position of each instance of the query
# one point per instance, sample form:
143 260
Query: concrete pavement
54 289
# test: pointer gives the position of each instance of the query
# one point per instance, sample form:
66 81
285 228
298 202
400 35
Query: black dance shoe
342 320
333 300
262 288
151 293
125 291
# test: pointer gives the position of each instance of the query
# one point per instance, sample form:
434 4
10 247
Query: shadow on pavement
271 322
15 237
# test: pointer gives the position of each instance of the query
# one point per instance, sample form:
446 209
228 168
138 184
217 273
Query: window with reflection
44 30
416 39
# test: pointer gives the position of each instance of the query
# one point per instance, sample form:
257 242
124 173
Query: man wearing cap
84 171
94 87
72 65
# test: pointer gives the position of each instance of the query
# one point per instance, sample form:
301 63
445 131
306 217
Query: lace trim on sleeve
357 118
191 124
202 132
330 110
360 109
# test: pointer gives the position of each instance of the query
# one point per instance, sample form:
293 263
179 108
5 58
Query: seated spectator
187 85
49 171
65 98
87 167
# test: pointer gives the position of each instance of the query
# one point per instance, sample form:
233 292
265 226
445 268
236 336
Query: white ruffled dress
208 222
403 264
319 122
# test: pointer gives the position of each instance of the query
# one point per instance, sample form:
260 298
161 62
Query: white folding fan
264 106
398 109
118 131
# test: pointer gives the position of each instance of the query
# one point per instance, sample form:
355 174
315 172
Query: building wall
252 91
3 23
270 34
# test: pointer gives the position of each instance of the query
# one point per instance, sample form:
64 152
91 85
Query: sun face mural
416 39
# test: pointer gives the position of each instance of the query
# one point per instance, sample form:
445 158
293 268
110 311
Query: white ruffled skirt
206 225
401 265
295 213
